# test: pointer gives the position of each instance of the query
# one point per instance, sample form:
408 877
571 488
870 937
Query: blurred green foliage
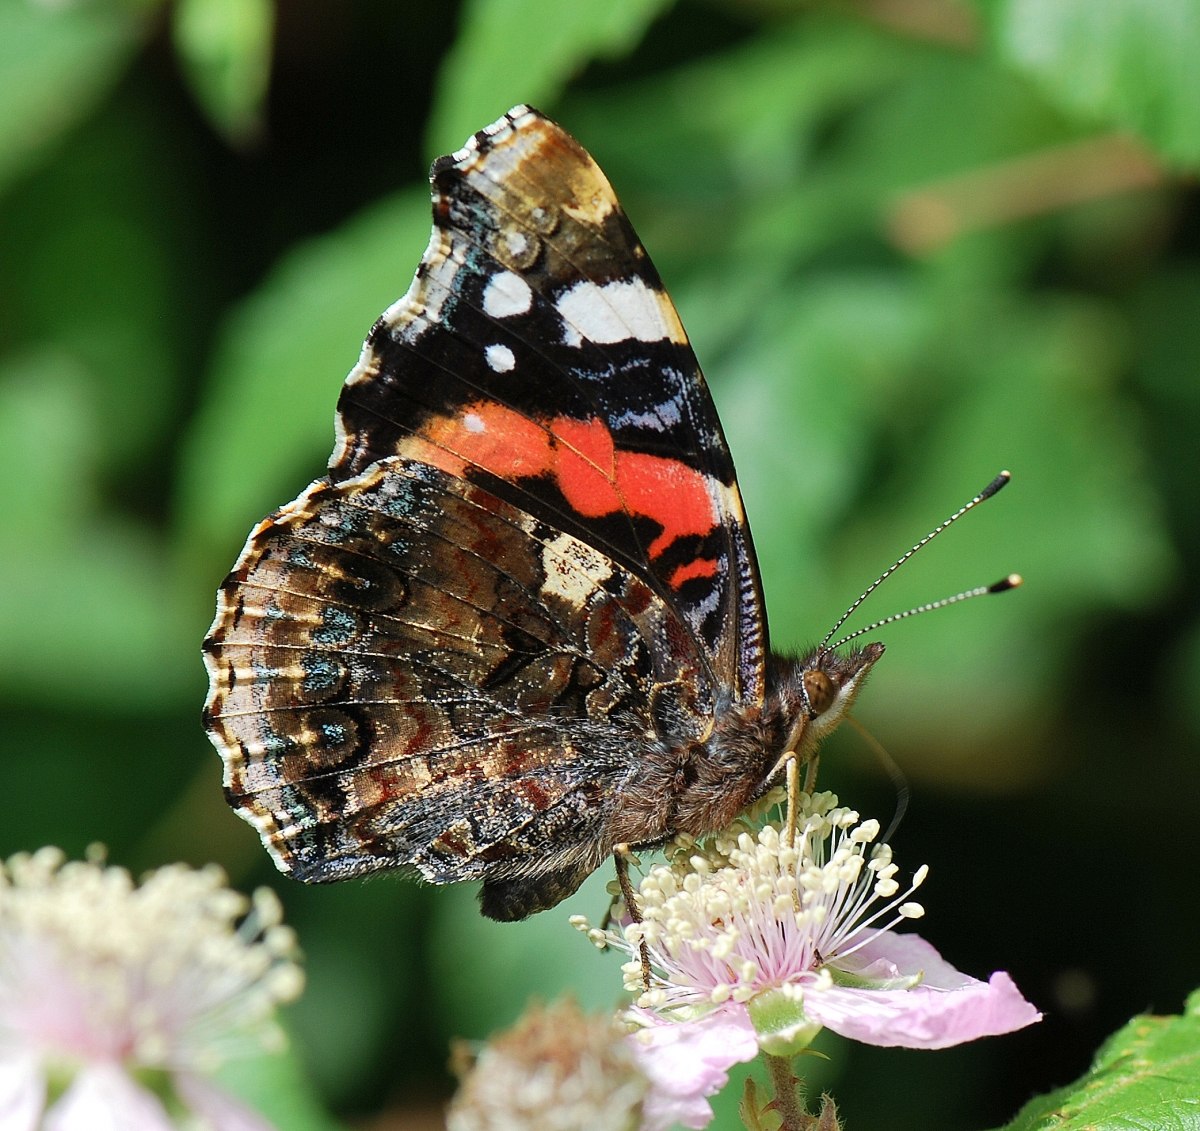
914 241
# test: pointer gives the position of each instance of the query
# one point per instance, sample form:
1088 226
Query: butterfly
518 624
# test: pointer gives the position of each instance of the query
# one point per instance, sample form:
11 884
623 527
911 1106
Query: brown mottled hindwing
417 673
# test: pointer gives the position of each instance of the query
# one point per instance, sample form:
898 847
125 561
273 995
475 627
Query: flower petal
103 1097
947 1008
221 1111
22 1093
687 1061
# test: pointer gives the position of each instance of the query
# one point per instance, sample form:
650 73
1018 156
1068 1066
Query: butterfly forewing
537 351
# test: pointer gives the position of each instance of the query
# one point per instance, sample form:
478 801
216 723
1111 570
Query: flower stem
787 1102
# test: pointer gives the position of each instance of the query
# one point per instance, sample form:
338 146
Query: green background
914 242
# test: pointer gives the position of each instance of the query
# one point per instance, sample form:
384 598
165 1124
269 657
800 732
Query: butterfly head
817 692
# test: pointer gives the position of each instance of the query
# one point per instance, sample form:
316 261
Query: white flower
556 1069
105 983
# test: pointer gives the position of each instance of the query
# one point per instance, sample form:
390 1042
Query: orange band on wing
594 476
698 567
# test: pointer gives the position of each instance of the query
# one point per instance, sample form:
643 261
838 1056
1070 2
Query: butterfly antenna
1009 583
1002 586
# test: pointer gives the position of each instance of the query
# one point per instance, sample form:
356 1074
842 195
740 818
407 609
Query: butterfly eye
818 688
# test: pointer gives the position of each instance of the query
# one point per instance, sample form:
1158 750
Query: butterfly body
519 621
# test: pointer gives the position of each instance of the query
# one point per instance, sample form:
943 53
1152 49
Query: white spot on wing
500 358
573 570
515 243
702 610
613 312
473 422
506 295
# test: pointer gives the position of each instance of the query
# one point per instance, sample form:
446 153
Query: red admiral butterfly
519 622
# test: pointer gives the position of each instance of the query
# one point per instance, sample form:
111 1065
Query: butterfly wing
527 575
409 671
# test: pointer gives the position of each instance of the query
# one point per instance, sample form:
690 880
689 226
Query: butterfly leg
810 772
621 855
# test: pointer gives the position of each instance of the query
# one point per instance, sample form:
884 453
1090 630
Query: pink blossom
103 980
687 1063
758 939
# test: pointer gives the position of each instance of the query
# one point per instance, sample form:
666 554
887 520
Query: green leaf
1146 1077
747 119
89 611
511 51
225 46
1128 63
56 64
359 1010
1030 387
750 1108
114 242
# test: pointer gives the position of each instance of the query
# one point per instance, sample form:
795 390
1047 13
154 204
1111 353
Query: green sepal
780 1022
859 982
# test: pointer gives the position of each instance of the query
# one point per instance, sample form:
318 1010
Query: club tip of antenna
1012 581
1001 480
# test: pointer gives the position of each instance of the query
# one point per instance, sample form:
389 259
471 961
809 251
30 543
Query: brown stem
950 22
787 1102
1032 184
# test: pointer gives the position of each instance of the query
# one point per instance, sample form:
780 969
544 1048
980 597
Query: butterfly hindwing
410 671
